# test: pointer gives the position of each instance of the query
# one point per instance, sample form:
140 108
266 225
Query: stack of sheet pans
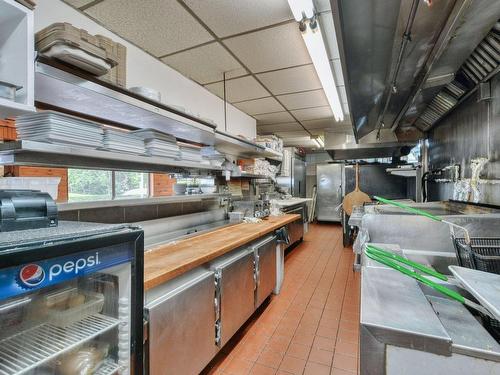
159 144
192 154
59 128
123 141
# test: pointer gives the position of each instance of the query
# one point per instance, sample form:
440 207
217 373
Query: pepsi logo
31 275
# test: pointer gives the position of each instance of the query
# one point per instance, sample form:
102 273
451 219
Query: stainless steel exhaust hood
397 55
343 147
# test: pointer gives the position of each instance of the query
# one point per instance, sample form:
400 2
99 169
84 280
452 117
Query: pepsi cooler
71 300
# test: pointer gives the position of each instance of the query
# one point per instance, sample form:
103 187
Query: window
131 185
95 185
88 185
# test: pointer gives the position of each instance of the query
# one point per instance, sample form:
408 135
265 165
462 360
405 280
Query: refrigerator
293 179
71 300
329 191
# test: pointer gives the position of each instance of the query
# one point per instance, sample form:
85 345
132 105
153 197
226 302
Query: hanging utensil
356 197
425 214
395 261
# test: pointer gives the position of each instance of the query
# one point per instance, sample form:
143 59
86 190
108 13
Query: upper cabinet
16 59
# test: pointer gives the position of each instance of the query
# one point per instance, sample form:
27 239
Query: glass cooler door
69 315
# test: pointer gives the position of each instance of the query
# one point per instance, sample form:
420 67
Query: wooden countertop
165 262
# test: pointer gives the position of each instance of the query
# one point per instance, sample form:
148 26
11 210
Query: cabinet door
266 278
181 328
237 293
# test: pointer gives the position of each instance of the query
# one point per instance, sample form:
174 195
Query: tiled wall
130 214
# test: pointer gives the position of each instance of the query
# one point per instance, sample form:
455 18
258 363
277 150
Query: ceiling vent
479 67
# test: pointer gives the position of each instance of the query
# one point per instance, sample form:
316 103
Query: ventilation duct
479 67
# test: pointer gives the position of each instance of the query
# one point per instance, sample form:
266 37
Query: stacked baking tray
59 128
159 144
123 141
192 154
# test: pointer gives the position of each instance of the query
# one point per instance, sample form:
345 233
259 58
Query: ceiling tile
239 89
325 123
291 80
274 118
206 64
312 113
301 100
227 18
159 27
274 48
259 106
326 23
78 3
271 129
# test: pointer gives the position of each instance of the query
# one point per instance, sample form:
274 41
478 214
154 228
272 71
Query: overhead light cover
315 44
319 141
301 8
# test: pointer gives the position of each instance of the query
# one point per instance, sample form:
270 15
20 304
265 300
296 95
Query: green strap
418 266
440 288
408 208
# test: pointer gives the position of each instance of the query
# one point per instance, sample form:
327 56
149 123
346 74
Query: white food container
45 184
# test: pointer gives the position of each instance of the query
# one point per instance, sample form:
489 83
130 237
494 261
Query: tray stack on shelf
192 154
123 141
159 144
59 128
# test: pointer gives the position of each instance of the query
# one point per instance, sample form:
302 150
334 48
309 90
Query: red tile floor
312 326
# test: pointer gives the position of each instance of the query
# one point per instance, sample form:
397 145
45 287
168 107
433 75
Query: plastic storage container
95 54
69 306
45 184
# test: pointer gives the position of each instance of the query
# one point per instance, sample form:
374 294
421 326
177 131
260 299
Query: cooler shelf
108 368
29 349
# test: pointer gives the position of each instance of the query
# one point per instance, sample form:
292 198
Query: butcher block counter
166 262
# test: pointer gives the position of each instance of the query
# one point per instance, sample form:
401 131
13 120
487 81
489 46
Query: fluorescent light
316 47
318 140
300 8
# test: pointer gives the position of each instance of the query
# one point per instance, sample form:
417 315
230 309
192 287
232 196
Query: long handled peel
425 214
396 262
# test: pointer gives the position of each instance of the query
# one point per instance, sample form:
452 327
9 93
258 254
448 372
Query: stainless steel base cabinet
234 275
265 268
181 324
295 231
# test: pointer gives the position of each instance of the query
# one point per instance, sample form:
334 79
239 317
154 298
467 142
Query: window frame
148 178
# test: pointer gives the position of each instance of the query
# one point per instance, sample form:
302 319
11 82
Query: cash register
26 209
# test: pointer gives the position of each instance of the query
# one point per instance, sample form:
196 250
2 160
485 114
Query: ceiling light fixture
303 11
319 141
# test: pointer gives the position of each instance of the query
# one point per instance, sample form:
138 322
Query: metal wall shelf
47 154
242 148
64 89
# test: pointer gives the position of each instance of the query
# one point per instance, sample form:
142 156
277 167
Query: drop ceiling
256 44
